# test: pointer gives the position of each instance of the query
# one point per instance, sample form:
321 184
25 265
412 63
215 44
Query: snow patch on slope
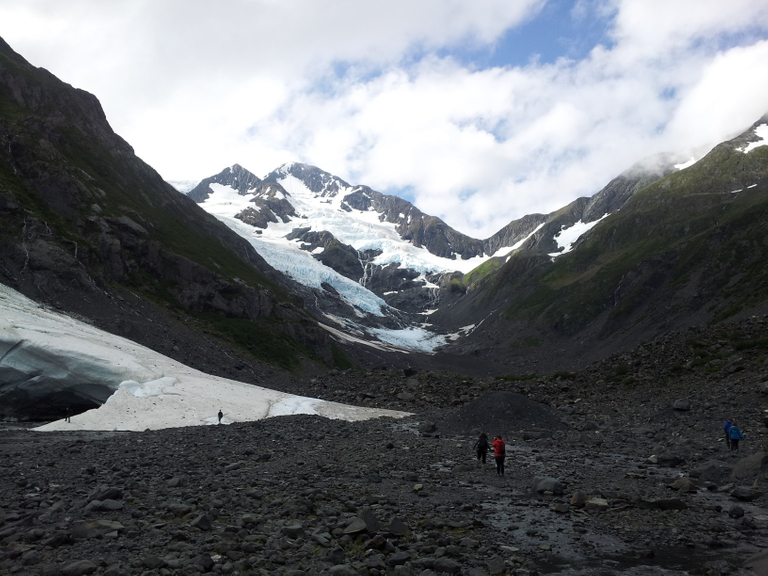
567 237
762 133
682 166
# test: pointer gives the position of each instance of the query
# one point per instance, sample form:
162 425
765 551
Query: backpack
482 443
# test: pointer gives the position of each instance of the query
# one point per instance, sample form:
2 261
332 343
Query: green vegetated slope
693 244
82 217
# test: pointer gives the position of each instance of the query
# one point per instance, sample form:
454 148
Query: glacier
42 351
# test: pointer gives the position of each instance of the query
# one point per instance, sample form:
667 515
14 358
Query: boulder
750 467
357 525
712 471
82 530
745 493
758 564
683 484
579 499
545 484
372 523
682 404
397 527
670 460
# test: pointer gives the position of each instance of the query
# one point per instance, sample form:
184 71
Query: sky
477 111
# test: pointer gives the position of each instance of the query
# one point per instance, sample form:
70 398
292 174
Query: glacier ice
43 351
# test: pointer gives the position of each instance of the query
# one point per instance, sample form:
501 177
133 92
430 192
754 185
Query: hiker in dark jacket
727 428
481 445
735 435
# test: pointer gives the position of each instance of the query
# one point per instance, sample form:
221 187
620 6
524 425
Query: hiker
68 414
221 415
499 453
727 428
481 445
735 435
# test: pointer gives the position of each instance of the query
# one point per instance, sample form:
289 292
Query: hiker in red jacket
499 453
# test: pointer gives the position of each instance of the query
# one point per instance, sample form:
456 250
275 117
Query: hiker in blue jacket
727 428
735 435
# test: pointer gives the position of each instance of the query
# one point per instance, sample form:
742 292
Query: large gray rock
545 484
712 471
758 564
683 484
746 493
82 530
668 460
750 467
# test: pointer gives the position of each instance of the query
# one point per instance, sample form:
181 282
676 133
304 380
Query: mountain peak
234 176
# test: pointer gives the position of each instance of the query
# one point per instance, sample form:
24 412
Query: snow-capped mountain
379 254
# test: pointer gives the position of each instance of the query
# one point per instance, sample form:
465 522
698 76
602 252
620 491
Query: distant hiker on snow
481 445
221 415
735 435
727 428
499 453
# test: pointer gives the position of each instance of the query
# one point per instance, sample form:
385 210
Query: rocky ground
617 469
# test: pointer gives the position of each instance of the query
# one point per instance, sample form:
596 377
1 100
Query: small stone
496 565
682 404
110 504
397 527
579 499
447 565
596 505
80 568
375 561
342 570
293 530
736 512
372 523
203 522
399 558
249 518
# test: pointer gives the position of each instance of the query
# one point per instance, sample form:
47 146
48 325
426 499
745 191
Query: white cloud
370 91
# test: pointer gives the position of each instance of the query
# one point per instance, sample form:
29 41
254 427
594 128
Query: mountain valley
608 342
